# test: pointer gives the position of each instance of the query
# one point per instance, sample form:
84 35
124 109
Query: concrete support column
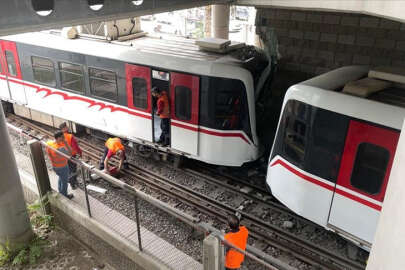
208 21
220 21
388 247
15 226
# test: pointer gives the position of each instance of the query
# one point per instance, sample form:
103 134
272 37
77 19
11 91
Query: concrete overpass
390 9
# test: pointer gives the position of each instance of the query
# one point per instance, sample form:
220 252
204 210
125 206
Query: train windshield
311 138
224 104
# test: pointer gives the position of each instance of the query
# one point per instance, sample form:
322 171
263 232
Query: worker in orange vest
163 111
59 162
237 236
113 147
76 152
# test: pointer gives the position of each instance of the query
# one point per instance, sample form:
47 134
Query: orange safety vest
57 160
114 144
68 139
166 112
234 259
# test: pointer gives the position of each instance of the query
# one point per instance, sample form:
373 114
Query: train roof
385 107
170 53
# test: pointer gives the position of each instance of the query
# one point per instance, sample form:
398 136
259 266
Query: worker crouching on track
113 146
76 152
163 111
237 236
59 162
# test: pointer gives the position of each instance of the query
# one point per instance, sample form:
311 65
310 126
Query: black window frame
104 80
13 63
43 67
188 114
355 170
146 94
316 156
210 89
83 77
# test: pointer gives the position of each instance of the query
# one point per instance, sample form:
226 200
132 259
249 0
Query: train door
139 99
4 90
13 72
362 179
184 91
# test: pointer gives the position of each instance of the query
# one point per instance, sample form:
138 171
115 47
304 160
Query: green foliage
37 218
21 258
31 252
5 253
35 253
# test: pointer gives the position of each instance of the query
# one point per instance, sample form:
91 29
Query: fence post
41 174
84 177
138 223
213 253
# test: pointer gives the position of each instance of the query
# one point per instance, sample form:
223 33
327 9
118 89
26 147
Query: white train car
335 145
107 86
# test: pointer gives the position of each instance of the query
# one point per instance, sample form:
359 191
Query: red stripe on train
324 185
210 132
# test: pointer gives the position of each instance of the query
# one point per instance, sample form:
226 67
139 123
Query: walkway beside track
152 244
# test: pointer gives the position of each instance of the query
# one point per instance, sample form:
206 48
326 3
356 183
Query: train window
224 105
140 93
183 103
43 70
71 76
160 75
369 168
103 83
12 69
295 131
327 137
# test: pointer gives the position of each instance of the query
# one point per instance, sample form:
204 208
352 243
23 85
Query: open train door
139 101
184 109
362 180
13 72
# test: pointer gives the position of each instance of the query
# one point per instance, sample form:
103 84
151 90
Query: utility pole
15 226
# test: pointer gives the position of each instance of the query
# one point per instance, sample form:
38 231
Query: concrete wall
388 248
313 42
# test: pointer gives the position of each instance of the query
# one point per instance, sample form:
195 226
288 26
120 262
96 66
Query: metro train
106 86
335 145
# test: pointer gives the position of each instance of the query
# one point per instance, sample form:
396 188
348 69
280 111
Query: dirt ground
63 253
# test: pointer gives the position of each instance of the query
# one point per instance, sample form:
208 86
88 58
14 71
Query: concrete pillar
208 20
15 226
220 21
213 253
388 246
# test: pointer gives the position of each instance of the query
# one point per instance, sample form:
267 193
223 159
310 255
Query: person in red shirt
163 111
76 152
237 236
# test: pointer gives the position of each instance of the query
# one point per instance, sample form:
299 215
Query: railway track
270 235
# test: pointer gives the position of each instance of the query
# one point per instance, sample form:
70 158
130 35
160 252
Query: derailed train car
335 145
107 86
